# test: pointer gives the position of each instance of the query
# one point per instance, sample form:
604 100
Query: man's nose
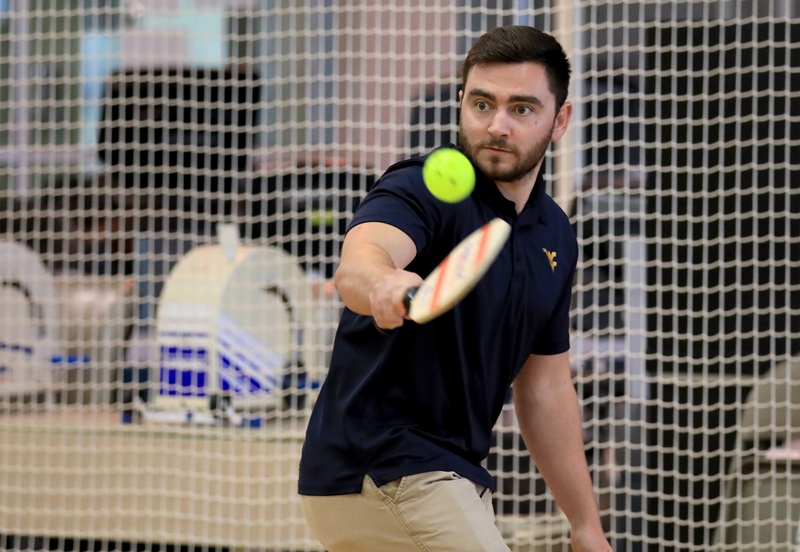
499 125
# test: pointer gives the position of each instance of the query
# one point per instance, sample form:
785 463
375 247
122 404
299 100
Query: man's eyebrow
521 98
480 93
516 98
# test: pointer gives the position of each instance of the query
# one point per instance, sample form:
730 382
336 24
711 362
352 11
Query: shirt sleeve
400 199
555 338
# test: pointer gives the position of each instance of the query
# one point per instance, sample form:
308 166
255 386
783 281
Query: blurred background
175 180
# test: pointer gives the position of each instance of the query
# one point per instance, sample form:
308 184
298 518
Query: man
393 451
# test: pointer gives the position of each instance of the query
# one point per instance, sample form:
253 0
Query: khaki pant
433 511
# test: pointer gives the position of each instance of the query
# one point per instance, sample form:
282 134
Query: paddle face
458 273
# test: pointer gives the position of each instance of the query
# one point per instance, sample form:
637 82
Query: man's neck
519 191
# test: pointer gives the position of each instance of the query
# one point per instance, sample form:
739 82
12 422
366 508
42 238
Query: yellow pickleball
449 175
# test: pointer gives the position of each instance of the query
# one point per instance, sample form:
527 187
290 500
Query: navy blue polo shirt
425 397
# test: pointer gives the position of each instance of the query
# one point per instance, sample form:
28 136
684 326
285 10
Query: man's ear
562 121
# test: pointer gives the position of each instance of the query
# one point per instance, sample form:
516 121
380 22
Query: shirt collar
533 207
536 199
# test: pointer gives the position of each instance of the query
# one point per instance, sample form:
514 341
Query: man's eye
523 109
482 106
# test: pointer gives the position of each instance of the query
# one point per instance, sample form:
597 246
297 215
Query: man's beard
526 161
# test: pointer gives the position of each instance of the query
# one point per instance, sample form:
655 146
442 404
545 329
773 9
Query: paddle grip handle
410 293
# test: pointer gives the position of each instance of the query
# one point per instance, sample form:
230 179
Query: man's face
508 119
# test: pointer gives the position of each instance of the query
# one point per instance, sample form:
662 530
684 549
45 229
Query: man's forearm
370 277
551 427
357 275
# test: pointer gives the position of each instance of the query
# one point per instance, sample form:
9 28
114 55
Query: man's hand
387 295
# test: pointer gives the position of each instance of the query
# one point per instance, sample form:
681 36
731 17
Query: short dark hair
521 44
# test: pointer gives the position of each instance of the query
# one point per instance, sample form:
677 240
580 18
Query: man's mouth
496 149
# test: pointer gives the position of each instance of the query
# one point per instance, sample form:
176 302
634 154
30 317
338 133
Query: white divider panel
234 323
28 321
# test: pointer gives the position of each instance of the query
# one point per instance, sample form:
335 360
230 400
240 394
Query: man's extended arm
370 277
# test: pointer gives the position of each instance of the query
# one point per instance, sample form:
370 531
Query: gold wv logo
551 257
